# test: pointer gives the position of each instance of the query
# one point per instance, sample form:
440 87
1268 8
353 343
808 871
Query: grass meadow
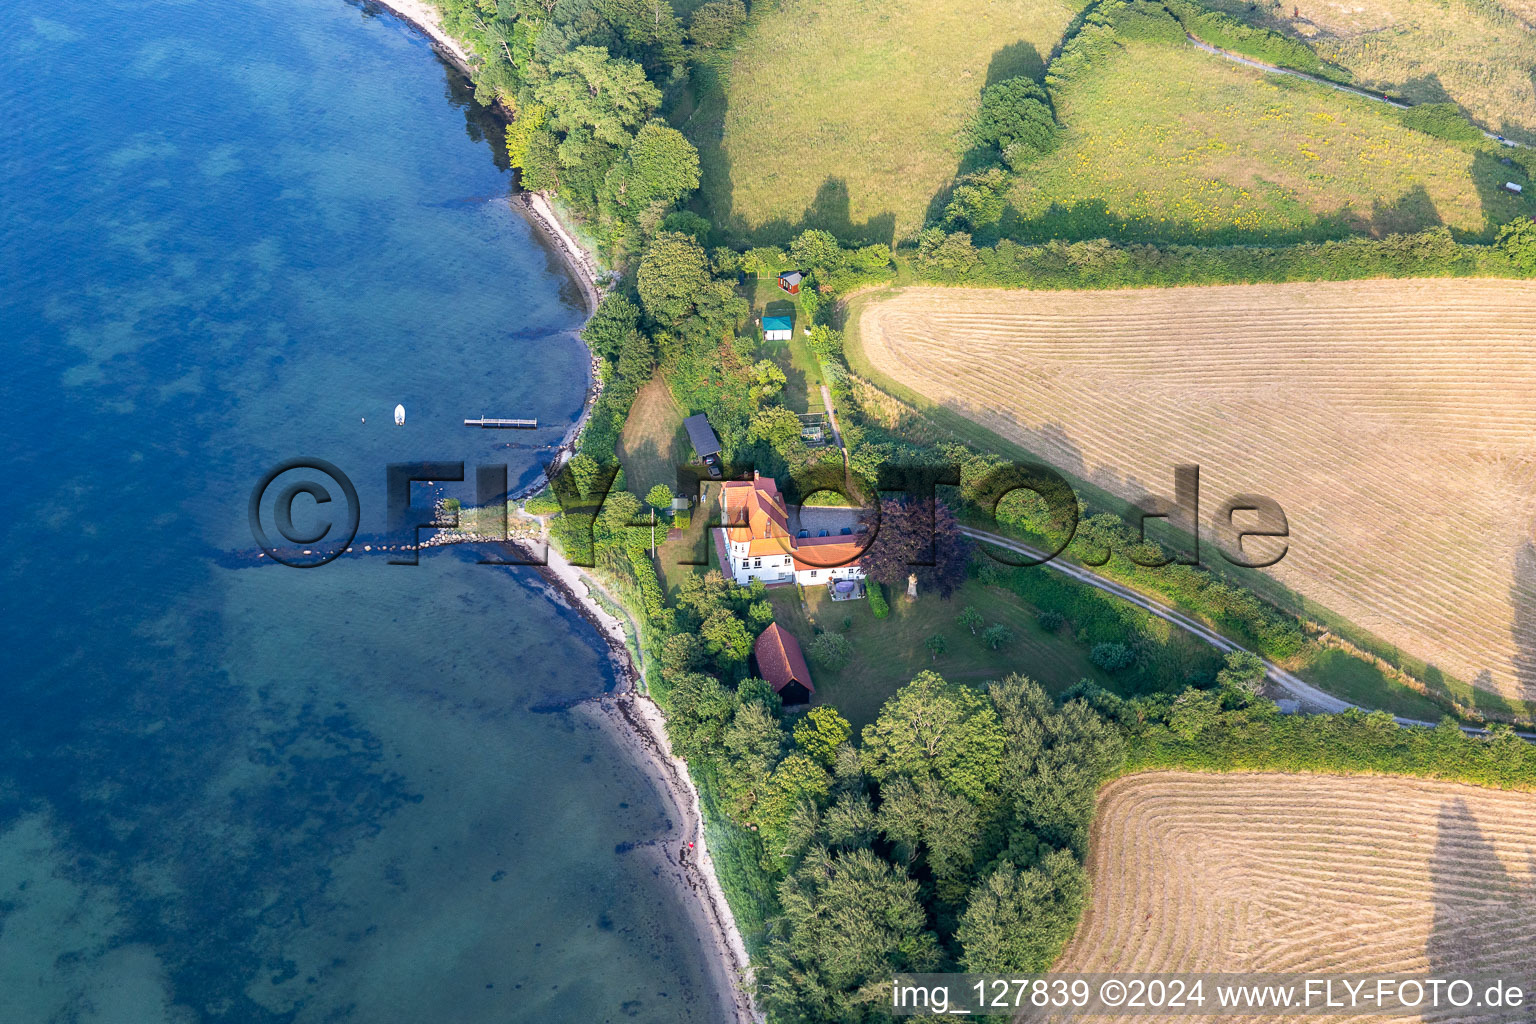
654 442
847 115
1165 142
888 652
1479 55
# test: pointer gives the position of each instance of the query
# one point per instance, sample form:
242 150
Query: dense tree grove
1016 117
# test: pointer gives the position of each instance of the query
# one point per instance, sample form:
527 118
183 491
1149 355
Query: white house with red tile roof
760 545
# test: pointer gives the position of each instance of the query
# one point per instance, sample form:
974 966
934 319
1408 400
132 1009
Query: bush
1517 240
877 605
542 504
1111 656
1244 673
1443 121
832 649
651 594
952 258
1258 739
1227 33
1051 620
997 636
714 23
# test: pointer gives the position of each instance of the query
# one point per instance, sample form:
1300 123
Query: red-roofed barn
780 662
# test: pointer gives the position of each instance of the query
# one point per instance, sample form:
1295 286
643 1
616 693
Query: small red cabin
790 281
780 662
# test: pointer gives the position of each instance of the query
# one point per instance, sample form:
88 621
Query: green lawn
1361 682
889 652
654 442
675 557
1210 151
847 114
802 389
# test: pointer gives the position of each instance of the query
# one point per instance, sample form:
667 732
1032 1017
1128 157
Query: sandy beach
634 720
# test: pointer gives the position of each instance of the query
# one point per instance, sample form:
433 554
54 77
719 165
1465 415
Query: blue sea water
232 234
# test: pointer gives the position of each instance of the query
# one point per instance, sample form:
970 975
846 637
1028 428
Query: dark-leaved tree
917 536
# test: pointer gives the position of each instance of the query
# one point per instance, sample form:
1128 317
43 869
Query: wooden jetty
495 424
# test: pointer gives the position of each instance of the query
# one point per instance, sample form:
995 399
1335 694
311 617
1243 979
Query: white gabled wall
821 577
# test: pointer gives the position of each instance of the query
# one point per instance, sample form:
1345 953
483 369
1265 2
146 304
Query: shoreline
638 726
636 722
421 15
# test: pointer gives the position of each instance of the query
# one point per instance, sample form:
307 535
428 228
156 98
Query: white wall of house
821 577
777 335
768 568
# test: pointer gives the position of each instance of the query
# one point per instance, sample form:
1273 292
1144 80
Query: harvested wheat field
1394 421
1302 873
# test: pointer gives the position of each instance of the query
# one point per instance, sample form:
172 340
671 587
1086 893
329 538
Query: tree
761 691
586 473
726 638
850 920
796 778
750 748
673 273
850 822
686 222
659 166
997 636
971 619
820 732
591 95
934 727
681 653
979 201
816 250
925 817
768 380
936 645
614 323
1193 712
714 23
698 710
832 649
521 133
1518 240
659 498
1018 921
759 615
620 510
764 261
1244 673
1112 656
1016 114
914 532
1053 761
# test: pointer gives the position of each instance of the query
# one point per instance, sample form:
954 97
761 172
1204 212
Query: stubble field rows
1394 421
1298 873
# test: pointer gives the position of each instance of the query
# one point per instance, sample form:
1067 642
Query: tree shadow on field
1414 210
1489 173
1480 927
1015 60
831 208
1425 89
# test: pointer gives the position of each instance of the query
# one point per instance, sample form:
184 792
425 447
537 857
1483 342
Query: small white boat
399 415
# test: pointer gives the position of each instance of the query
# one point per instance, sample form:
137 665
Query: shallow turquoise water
233 791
